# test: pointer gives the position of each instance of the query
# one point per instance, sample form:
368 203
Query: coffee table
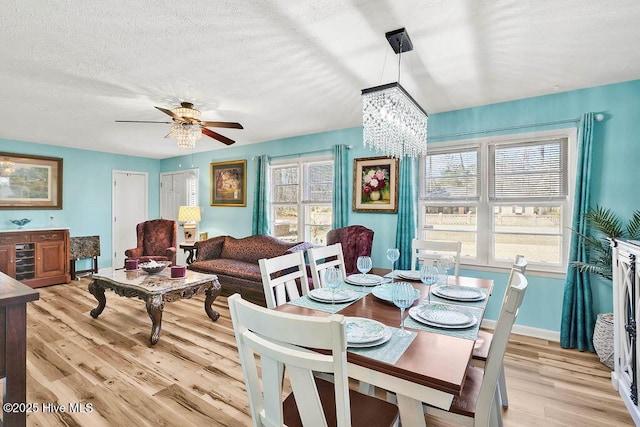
155 290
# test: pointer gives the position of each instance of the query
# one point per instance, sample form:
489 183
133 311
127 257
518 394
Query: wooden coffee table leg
211 295
155 306
98 292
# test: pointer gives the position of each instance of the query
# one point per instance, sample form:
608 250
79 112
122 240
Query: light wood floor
192 376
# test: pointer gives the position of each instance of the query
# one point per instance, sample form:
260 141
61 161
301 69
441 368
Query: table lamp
190 215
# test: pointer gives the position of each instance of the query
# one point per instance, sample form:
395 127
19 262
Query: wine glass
364 266
403 296
428 276
392 255
332 281
446 263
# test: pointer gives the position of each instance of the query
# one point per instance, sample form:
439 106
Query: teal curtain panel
260 197
576 329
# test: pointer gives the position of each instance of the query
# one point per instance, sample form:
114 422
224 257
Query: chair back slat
283 278
431 250
324 257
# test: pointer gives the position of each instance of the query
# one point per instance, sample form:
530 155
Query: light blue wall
615 175
86 203
87 180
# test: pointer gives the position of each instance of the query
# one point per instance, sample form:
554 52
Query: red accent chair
356 241
157 240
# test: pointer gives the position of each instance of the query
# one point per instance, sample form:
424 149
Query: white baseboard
544 334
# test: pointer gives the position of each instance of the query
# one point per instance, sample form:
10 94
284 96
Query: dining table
427 366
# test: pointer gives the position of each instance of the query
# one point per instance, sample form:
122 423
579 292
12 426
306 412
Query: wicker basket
603 339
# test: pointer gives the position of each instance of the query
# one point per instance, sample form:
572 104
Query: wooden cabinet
626 312
36 257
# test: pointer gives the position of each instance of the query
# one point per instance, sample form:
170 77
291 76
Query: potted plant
604 225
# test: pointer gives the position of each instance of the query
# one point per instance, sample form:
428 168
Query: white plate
445 314
362 330
341 295
458 293
387 336
367 280
384 292
409 274
413 313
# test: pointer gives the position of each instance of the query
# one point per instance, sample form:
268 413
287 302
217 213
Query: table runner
388 352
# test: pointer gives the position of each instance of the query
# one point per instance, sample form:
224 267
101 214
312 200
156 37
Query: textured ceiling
282 68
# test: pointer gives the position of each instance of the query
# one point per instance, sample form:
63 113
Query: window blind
319 179
285 184
452 175
528 171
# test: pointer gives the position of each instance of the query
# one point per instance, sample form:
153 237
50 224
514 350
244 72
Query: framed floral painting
375 184
229 183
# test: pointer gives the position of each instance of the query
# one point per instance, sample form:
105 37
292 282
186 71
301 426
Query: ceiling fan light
187 113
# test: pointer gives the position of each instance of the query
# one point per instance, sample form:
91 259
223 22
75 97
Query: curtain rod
324 150
599 117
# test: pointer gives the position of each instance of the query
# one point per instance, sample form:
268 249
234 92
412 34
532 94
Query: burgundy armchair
356 241
157 240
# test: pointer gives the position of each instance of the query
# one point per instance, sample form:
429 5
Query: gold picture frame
30 182
229 183
375 184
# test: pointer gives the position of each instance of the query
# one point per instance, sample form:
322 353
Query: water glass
332 278
428 276
364 266
403 296
392 255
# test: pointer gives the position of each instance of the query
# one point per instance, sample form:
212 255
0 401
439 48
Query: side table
190 250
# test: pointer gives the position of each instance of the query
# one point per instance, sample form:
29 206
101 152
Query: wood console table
14 297
36 257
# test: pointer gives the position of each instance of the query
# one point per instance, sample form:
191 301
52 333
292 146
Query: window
501 197
301 199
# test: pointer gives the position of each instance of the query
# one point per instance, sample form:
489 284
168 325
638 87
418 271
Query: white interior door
130 207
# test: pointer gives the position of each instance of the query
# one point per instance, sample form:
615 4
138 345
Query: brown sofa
235 262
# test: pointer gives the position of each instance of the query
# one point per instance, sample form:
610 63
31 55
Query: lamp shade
189 213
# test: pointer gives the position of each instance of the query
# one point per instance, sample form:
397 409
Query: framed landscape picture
375 184
30 182
229 183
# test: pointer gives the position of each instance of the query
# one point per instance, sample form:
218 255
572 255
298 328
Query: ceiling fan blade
141 121
217 136
171 113
231 125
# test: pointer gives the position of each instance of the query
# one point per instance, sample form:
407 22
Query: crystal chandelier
7 166
393 122
187 133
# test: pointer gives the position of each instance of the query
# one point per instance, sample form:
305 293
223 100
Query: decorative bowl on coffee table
154 267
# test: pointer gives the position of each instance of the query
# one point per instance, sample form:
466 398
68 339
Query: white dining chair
323 257
282 342
479 403
283 278
431 250
483 342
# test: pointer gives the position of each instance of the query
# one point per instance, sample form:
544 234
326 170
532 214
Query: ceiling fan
187 124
